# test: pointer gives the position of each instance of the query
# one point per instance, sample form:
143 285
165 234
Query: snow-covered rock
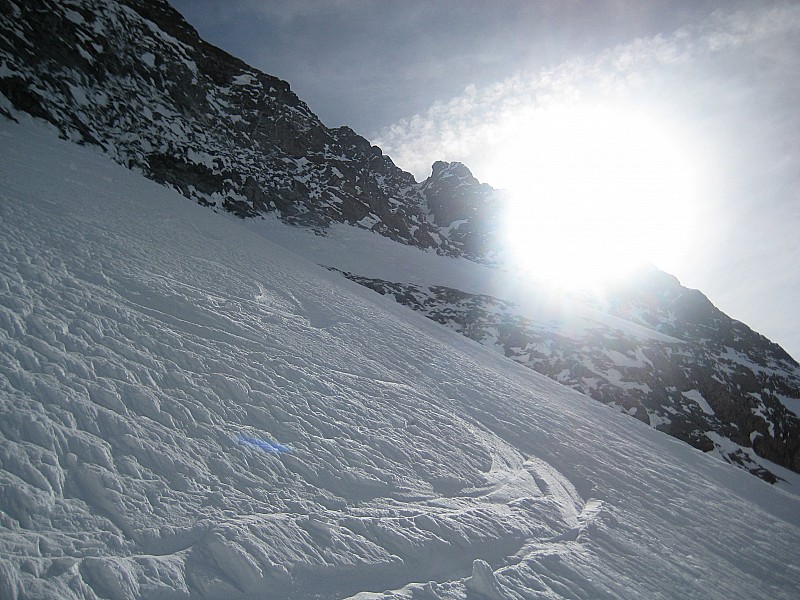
710 379
132 77
464 210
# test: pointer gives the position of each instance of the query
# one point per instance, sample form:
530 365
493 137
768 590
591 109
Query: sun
594 191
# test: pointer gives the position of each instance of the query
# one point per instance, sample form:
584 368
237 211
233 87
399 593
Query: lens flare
265 445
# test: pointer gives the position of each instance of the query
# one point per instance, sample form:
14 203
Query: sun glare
594 191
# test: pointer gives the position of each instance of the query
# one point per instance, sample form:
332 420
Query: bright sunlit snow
189 410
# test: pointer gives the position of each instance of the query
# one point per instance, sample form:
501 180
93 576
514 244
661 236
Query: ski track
142 336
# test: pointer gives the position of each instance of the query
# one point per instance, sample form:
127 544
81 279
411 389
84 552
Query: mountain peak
464 208
193 117
441 169
652 276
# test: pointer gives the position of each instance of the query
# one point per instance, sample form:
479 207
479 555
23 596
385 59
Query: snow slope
382 258
189 410
611 348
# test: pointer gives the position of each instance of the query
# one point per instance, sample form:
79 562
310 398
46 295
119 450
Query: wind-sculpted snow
191 411
656 380
132 78
685 367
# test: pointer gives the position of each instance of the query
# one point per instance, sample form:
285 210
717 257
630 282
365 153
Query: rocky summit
133 79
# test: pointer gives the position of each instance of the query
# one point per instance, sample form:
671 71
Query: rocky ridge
135 79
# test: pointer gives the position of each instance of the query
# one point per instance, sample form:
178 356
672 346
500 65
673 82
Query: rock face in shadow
132 77
467 211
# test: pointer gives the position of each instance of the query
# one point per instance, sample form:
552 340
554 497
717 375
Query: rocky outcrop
132 77
465 210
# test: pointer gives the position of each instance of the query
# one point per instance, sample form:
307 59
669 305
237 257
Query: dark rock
132 77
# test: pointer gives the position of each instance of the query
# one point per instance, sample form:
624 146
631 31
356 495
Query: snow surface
696 396
382 258
505 296
189 410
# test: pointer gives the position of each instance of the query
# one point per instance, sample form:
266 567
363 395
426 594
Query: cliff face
744 378
135 79
463 209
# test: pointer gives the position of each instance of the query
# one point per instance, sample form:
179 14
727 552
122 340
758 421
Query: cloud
659 71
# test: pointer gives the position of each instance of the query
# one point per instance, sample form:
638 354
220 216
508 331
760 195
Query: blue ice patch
271 447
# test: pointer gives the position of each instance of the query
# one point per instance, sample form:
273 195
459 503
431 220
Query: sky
623 130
